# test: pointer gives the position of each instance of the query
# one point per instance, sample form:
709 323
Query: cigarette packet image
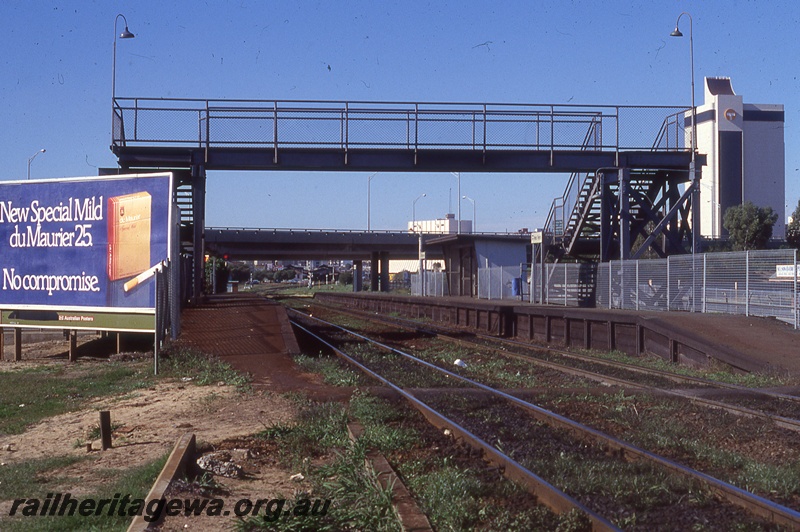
129 220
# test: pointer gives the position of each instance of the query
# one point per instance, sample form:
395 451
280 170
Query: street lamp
420 254
124 35
369 200
414 212
692 166
458 177
30 160
473 211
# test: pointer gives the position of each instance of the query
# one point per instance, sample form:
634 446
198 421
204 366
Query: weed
332 370
203 369
449 497
320 427
94 432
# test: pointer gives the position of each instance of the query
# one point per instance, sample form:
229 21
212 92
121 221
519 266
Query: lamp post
473 211
126 34
414 212
692 165
369 201
458 177
30 160
420 255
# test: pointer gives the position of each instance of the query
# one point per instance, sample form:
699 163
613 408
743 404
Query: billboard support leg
17 344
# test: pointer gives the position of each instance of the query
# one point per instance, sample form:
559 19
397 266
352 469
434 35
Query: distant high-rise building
744 144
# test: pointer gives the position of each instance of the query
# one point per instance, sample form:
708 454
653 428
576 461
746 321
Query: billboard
81 252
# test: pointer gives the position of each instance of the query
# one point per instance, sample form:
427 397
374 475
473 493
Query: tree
793 229
239 272
749 227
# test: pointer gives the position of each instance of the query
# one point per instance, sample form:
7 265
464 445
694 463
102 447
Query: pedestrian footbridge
628 191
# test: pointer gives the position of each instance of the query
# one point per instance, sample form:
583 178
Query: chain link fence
435 284
752 283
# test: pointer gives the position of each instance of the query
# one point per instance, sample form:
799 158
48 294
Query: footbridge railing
385 125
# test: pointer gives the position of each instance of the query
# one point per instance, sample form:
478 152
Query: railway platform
251 333
745 343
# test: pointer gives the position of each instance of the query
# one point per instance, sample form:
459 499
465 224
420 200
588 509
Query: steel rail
780 421
546 493
687 379
756 504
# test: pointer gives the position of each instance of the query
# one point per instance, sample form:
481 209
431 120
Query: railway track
455 411
779 408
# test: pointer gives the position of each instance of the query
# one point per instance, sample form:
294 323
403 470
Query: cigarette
142 277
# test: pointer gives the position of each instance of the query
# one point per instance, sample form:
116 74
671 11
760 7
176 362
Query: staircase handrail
569 196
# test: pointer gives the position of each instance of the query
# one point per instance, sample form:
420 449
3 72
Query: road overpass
311 244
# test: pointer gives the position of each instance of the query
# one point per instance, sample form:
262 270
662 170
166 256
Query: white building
442 226
744 144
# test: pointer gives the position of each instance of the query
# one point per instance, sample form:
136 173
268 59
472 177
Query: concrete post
374 270
358 275
384 257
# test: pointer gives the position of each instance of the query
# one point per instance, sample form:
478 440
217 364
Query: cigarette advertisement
82 251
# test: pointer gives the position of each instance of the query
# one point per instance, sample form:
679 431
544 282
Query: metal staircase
592 220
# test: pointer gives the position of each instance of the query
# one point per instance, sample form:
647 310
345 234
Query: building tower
746 156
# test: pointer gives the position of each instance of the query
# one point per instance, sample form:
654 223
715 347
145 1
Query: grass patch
204 369
660 427
135 482
32 478
333 371
716 372
320 428
357 501
30 395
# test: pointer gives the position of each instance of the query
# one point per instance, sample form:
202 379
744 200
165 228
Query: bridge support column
374 272
199 221
358 275
384 271
606 228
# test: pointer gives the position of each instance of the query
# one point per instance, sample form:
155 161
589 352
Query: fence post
609 284
795 302
747 283
669 306
489 279
533 278
705 256
637 285
502 284
565 284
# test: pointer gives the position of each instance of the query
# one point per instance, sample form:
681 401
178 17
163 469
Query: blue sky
55 83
